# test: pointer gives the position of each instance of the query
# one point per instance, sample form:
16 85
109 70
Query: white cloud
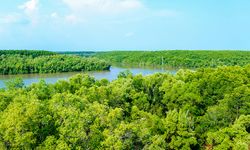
85 10
30 8
28 14
102 6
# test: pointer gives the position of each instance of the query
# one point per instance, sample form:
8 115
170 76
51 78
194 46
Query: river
53 77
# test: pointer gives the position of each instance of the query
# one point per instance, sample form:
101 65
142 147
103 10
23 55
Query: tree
14 84
236 137
24 123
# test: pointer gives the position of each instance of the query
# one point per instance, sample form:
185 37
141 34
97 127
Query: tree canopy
177 58
204 109
23 62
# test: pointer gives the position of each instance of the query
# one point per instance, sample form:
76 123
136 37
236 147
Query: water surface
53 77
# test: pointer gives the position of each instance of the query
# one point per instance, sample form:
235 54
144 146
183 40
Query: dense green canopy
33 53
206 108
177 58
20 62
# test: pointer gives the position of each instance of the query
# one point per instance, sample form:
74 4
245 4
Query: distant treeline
79 53
207 109
33 53
22 62
177 58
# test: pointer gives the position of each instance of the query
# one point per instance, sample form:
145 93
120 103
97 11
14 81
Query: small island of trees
25 62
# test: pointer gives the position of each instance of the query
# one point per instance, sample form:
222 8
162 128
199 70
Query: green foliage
24 123
33 53
236 137
38 62
202 109
40 89
79 53
14 83
177 58
179 130
125 74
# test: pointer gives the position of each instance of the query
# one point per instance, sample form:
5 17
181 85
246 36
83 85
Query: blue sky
124 24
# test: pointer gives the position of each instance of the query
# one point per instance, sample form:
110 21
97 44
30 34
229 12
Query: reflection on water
53 77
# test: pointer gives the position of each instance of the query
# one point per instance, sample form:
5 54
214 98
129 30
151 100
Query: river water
53 77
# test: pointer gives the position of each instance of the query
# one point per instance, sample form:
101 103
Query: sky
96 25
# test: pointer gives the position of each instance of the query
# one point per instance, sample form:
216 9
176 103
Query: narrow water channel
53 77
